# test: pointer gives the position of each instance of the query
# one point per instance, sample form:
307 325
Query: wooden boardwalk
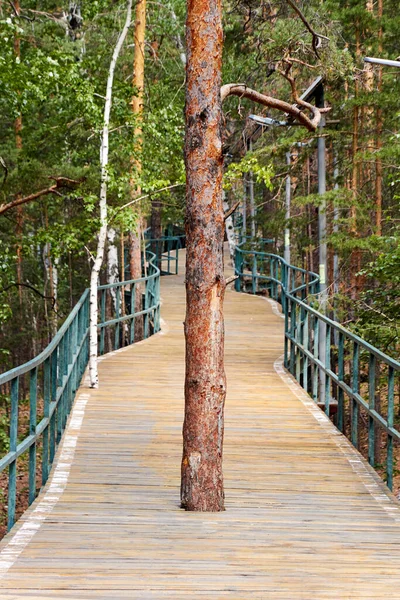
306 518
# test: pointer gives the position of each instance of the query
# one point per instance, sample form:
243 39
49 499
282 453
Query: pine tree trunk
135 254
379 128
205 382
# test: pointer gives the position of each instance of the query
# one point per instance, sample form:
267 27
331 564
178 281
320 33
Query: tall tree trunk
94 278
379 127
205 382
18 144
135 254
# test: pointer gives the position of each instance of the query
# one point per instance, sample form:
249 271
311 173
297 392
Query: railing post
254 274
238 270
103 318
12 471
46 412
371 404
316 356
327 390
146 315
292 335
306 347
340 419
117 316
132 320
53 398
32 431
355 389
390 422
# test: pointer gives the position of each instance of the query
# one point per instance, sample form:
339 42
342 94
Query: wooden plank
306 517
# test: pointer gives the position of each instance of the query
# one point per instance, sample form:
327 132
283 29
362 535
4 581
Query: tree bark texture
205 382
102 236
135 254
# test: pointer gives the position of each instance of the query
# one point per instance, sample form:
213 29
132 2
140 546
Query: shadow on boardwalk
306 517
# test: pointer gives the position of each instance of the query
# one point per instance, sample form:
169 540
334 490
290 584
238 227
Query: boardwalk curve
306 516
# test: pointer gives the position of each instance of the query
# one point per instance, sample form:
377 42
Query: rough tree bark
205 383
94 278
135 245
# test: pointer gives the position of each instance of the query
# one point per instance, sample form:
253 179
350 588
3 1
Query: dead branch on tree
29 287
241 90
60 182
231 210
316 37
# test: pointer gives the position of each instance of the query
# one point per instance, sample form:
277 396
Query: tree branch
30 287
231 210
60 182
241 90
316 37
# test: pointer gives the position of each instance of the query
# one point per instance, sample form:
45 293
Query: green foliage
250 163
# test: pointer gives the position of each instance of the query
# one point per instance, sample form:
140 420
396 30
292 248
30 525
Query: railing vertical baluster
328 367
254 274
32 431
316 356
176 260
340 419
53 376
292 335
306 344
12 470
371 404
238 270
103 318
298 335
46 412
132 320
355 389
390 422
146 315
117 316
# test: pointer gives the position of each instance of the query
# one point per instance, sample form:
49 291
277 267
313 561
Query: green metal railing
166 250
54 376
356 380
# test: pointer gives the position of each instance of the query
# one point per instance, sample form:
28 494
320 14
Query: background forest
54 59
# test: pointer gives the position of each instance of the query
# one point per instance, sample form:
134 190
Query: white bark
112 262
94 278
230 231
178 37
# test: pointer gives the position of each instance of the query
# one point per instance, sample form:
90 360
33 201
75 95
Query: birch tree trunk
205 383
112 263
94 278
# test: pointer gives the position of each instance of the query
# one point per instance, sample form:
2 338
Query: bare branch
30 287
316 37
231 211
231 279
241 90
60 183
168 187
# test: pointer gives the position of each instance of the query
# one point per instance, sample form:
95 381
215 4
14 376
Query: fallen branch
241 90
60 182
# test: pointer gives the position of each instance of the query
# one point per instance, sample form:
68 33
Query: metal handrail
55 374
333 379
